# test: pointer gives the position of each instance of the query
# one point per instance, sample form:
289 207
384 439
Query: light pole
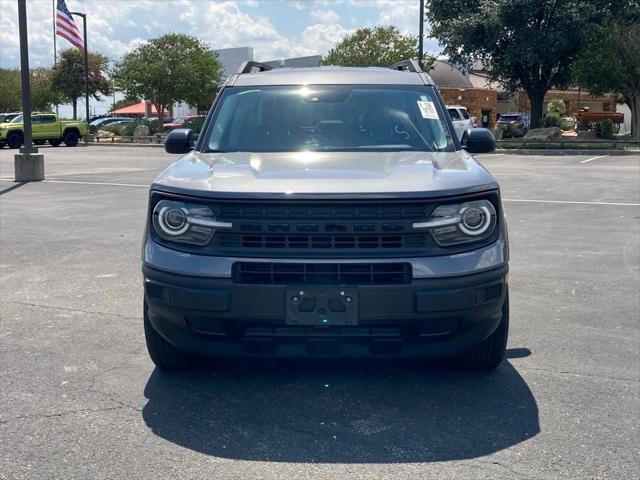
86 70
28 164
421 34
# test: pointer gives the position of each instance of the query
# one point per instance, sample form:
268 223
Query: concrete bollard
29 167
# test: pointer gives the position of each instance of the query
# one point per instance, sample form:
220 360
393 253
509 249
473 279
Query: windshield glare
327 118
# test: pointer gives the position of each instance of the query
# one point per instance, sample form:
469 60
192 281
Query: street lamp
86 69
28 164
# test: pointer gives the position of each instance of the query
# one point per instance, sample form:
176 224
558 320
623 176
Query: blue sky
274 28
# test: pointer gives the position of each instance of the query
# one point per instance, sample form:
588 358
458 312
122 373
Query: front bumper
437 317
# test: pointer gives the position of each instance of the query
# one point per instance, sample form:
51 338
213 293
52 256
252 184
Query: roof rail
252 67
407 66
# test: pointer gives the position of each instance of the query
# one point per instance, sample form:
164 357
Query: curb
122 144
564 151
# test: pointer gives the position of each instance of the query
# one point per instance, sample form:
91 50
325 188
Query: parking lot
79 397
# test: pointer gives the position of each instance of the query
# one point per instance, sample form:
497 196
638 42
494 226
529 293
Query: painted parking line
489 155
570 202
108 184
592 159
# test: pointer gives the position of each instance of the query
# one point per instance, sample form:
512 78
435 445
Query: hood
338 173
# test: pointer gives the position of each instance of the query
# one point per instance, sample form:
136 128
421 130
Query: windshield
509 118
17 119
327 118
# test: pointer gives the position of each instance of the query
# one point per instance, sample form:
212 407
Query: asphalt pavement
80 399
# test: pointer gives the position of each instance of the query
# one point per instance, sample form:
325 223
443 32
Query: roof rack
253 67
407 66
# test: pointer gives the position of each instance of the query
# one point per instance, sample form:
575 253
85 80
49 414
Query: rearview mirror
480 140
179 140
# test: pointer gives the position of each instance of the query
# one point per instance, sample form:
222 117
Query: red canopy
138 109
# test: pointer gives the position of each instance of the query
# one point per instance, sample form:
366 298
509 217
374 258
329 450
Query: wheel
164 355
55 143
71 139
489 354
39 142
14 140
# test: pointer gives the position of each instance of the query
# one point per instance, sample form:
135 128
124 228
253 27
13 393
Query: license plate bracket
322 306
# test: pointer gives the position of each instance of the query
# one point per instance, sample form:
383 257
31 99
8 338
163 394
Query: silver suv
326 212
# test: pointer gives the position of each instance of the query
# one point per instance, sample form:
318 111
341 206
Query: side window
465 114
48 118
36 119
455 116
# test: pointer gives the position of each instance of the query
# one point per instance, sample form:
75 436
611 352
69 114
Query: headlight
461 223
185 222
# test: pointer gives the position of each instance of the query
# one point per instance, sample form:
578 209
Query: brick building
456 89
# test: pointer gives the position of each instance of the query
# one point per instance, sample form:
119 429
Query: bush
195 124
605 129
551 120
117 129
153 125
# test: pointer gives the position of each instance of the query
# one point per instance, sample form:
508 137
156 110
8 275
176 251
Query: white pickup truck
461 121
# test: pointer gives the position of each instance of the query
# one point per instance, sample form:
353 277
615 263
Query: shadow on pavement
341 412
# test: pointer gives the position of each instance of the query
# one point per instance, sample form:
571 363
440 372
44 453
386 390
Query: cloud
325 16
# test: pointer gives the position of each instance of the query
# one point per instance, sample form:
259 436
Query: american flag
66 27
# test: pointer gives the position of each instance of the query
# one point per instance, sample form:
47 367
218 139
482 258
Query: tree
375 47
525 44
169 69
612 64
43 96
68 78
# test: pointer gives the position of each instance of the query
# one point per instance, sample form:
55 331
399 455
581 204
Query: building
457 89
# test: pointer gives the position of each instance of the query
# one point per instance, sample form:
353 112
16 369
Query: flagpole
55 50
86 71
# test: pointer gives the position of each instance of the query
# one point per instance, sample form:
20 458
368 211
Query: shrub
153 125
195 124
604 129
551 120
556 107
117 129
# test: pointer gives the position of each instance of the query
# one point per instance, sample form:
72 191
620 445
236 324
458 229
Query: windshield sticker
428 110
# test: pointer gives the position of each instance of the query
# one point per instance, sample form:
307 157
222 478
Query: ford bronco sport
326 212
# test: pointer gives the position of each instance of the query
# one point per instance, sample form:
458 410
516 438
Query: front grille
322 242
322 273
316 228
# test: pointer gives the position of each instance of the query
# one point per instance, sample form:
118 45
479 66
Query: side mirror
179 140
480 140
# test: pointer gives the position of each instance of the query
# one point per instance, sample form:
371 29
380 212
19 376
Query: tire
39 142
55 143
1 145
164 355
14 140
490 353
71 139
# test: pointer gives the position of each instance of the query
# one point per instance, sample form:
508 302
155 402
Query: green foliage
605 129
551 120
375 47
612 64
194 124
524 44
68 77
43 96
117 129
154 126
556 107
169 69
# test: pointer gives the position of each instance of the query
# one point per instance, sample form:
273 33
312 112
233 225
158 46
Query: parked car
44 127
462 122
104 121
326 212
178 122
7 117
514 124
